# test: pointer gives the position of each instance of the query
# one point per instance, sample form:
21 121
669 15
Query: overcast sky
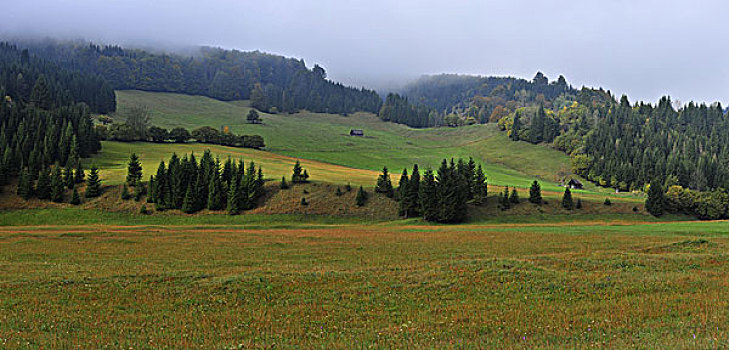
644 49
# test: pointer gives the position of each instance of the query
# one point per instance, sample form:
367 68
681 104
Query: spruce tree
215 195
384 185
233 198
535 193
93 184
514 198
151 195
579 204
655 200
504 199
297 176
139 190
188 203
567 199
43 187
404 201
428 196
68 179
78 176
284 184
361 198
161 191
57 185
134 170
25 184
75 198
125 192
412 193
480 187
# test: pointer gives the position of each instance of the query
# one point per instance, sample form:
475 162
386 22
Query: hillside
323 137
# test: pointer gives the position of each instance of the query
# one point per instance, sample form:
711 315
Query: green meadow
324 138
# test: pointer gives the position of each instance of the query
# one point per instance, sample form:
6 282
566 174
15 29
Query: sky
643 48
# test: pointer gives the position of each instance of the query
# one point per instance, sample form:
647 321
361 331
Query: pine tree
233 198
412 193
151 195
480 187
654 202
514 198
452 193
361 198
139 190
68 178
428 197
535 193
188 204
75 198
78 176
384 185
93 184
297 176
160 190
43 187
402 194
567 199
25 184
125 192
215 195
57 185
504 199
134 170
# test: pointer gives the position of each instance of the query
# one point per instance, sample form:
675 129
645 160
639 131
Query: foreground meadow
343 285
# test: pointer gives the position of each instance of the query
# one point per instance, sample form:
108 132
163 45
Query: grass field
297 282
323 137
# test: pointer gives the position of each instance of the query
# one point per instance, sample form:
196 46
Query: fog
645 49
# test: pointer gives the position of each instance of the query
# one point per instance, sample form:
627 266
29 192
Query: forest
45 114
272 83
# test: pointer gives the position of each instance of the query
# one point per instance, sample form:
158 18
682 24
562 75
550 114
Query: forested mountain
45 114
272 83
454 100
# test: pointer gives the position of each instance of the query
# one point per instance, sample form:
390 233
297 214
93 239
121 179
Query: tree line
272 83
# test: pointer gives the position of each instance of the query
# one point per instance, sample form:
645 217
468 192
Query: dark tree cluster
272 83
191 186
30 80
398 109
441 196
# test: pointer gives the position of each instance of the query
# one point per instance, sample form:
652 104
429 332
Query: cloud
645 49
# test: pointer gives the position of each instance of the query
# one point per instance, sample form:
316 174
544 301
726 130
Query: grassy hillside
278 283
324 137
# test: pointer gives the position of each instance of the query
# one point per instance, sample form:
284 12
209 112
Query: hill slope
323 137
